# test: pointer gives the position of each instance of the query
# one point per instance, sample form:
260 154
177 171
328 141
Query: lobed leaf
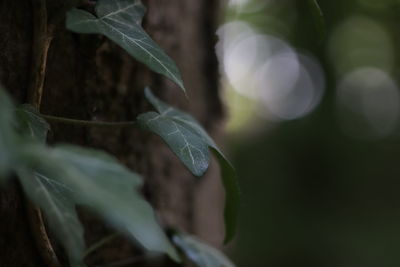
57 179
318 17
200 253
54 198
98 181
121 21
190 142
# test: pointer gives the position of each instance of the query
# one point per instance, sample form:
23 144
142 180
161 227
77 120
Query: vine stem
42 240
89 123
42 36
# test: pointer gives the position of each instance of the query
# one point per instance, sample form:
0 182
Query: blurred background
314 112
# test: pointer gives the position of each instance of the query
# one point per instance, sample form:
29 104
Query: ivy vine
58 178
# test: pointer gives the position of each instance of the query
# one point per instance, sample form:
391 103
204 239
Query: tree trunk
88 77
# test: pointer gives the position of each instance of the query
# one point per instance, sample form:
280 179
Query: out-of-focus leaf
121 22
54 198
99 182
31 123
232 194
190 142
200 253
318 17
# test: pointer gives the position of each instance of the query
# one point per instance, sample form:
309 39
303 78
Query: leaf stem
89 123
42 36
39 232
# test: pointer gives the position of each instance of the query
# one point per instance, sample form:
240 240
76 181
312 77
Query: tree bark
88 77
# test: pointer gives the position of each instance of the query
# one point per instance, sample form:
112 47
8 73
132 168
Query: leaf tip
182 86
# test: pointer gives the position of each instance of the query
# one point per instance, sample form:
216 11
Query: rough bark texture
88 77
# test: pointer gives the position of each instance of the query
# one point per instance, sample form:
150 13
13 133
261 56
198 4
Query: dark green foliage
59 178
190 142
121 22
54 198
31 123
318 17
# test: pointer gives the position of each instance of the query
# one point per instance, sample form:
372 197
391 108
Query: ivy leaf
54 199
31 123
99 182
190 142
200 253
8 137
318 17
232 194
121 21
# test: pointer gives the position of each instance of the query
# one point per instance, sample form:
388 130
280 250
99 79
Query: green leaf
232 194
121 21
8 137
200 253
54 198
190 142
99 182
30 123
318 17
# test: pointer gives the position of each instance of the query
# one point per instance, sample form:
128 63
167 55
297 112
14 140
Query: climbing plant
58 178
